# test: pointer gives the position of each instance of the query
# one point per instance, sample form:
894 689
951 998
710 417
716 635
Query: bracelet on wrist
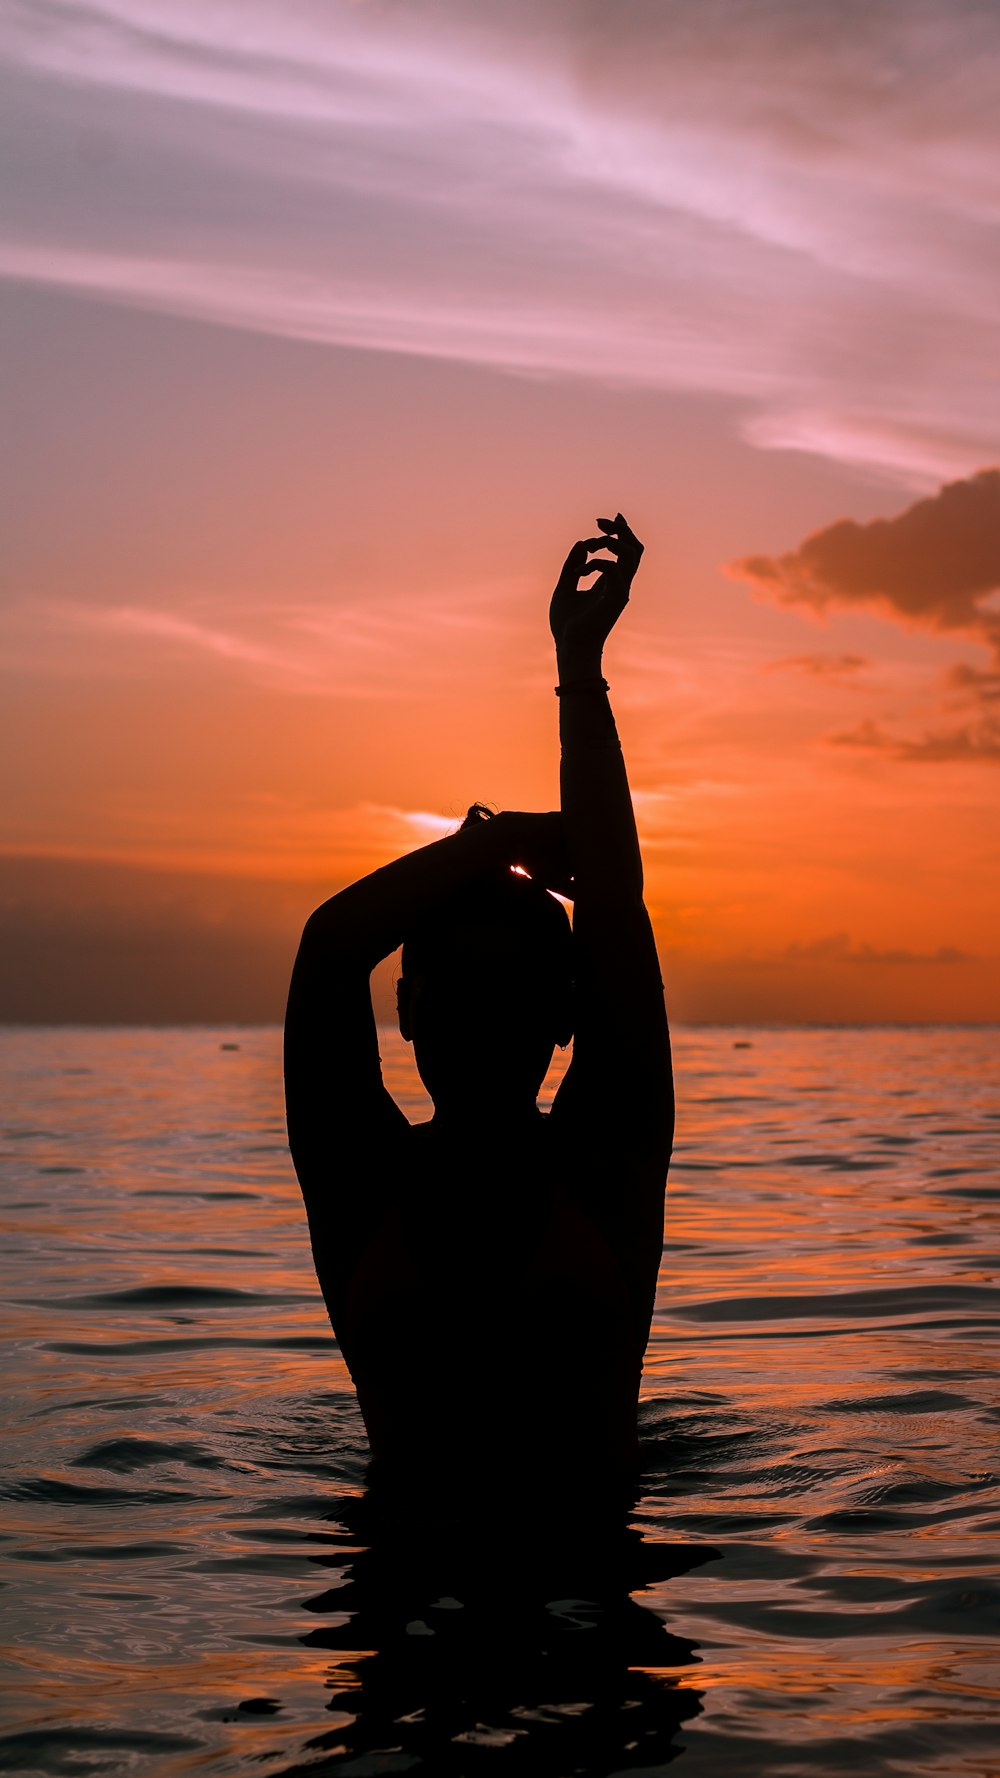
570 685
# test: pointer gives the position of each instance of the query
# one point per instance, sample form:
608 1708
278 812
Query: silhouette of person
490 1274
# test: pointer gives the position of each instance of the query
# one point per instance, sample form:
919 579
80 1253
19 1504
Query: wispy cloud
370 651
165 626
273 839
739 199
968 743
820 666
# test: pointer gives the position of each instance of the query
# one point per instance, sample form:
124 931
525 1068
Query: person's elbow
323 936
337 932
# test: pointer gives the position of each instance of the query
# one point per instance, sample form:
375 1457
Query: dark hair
525 908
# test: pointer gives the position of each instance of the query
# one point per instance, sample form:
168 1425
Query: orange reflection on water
184 1442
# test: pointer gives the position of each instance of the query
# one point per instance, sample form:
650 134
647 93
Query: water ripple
808 1581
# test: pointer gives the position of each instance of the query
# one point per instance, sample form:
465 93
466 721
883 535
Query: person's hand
581 618
537 844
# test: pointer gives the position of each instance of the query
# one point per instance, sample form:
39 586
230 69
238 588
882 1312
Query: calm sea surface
196 1581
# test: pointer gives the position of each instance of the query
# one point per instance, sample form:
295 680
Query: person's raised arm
620 1074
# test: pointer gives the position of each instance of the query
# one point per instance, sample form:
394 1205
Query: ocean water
195 1578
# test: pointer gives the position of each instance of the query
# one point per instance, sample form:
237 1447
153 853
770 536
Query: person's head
485 992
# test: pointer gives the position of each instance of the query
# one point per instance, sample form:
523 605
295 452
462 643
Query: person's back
489 1320
490 1274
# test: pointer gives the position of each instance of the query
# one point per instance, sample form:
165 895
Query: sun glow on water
185 1464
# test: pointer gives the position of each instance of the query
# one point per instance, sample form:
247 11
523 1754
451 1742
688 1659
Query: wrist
579 663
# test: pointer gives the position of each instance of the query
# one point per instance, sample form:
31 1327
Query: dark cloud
973 683
970 742
837 948
931 567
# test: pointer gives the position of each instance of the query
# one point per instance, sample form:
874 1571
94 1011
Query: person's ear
404 1009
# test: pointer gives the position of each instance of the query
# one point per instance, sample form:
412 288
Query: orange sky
327 330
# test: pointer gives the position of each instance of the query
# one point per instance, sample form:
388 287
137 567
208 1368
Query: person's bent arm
343 1126
333 1081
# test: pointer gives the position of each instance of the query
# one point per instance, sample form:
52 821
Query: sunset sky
327 327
